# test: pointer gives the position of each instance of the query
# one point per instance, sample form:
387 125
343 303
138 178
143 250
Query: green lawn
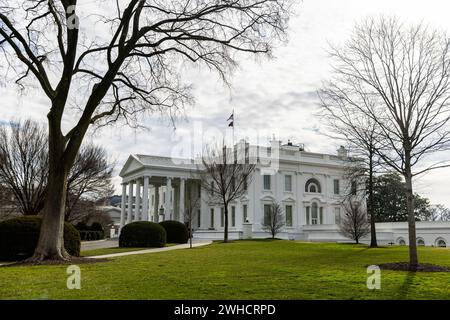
238 270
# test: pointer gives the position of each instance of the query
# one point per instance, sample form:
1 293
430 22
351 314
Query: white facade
307 185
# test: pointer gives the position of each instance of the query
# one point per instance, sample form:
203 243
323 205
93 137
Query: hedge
19 238
176 231
142 234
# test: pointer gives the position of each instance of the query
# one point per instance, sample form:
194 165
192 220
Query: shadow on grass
404 289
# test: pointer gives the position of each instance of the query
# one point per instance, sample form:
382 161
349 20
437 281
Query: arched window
312 185
420 242
314 214
401 242
441 243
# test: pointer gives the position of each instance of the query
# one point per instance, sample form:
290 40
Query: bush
176 231
96 226
142 234
81 226
19 238
91 235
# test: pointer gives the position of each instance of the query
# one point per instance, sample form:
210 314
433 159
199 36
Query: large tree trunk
51 239
373 231
225 232
413 259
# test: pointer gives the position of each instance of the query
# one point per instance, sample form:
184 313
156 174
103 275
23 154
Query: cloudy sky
275 96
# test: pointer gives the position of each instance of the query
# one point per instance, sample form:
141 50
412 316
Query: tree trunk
413 259
51 239
225 233
373 231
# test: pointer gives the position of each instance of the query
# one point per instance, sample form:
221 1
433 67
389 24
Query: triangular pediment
132 164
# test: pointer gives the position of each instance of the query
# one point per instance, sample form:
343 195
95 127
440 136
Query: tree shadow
404 289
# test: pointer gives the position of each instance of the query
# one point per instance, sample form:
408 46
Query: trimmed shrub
91 235
81 226
19 238
142 234
176 231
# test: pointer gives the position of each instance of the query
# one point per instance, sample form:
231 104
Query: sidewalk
198 243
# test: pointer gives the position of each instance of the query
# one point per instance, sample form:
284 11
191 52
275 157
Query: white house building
309 186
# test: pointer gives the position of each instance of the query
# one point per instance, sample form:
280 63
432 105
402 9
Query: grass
238 270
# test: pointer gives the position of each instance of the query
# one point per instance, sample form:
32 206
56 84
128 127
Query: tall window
233 216
198 218
314 214
267 211
211 192
153 199
288 210
211 225
266 182
336 186
222 217
199 189
321 215
307 215
287 183
244 212
337 215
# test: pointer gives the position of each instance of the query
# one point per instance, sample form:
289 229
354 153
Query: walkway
197 243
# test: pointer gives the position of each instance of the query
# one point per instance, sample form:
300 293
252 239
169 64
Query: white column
168 204
181 206
156 212
123 205
130 202
145 201
137 207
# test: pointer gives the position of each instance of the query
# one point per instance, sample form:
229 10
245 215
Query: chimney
342 152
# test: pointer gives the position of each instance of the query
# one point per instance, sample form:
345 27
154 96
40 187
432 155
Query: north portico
155 188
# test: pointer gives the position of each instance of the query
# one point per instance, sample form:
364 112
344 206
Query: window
420 242
353 188
266 182
267 214
153 199
164 197
211 192
211 225
198 218
441 243
307 215
314 214
312 185
321 215
244 212
337 215
245 185
402 242
336 186
199 189
287 183
289 215
233 216
222 217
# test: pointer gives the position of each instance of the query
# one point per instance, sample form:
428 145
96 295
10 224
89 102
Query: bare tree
403 74
24 164
360 132
274 220
191 212
89 178
129 67
225 176
353 224
24 171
